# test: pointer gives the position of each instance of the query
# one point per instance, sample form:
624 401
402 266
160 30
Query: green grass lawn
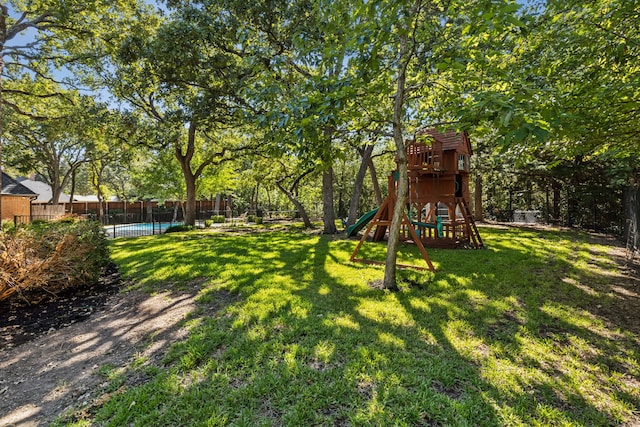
532 330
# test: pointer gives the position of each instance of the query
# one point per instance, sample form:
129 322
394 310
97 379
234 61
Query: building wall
15 206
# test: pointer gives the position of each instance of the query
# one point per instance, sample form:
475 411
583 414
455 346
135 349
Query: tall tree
55 148
188 79
416 51
58 34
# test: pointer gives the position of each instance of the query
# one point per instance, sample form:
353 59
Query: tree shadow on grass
288 333
537 309
310 350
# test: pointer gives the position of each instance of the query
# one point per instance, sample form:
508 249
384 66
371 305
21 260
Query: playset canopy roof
450 140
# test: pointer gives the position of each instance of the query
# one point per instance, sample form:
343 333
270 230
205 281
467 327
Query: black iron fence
135 228
134 224
138 229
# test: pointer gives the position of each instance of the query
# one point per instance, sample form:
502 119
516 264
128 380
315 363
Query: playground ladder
471 223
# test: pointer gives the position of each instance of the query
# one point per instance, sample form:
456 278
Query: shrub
251 218
179 228
8 225
46 258
208 223
218 219
258 220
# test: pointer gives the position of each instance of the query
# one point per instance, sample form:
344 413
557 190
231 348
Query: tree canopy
549 92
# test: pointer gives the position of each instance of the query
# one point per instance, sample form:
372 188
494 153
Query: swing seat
437 226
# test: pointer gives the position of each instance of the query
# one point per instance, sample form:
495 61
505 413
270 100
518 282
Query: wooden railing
424 157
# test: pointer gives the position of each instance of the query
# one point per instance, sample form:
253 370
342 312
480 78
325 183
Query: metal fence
135 224
137 229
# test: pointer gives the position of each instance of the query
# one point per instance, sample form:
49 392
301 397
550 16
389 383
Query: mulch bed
22 322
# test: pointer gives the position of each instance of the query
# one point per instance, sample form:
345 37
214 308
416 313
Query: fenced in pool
137 229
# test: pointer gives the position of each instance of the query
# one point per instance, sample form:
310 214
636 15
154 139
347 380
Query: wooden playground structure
437 213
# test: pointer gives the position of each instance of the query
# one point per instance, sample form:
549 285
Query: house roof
12 187
90 198
43 190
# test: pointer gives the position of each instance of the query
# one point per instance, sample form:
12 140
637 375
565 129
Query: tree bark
328 214
72 193
365 152
189 177
190 203
389 281
56 190
374 182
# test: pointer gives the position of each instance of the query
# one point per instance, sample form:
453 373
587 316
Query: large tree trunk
190 204
328 214
56 185
357 188
389 281
189 176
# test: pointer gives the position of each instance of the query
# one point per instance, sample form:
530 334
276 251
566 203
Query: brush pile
44 258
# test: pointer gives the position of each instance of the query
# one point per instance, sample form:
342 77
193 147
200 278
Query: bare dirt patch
49 363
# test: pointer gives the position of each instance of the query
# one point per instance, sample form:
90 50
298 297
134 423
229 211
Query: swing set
437 212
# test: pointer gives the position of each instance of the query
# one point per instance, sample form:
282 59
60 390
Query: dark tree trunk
56 189
72 193
374 182
328 214
190 203
556 200
252 204
189 177
357 188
